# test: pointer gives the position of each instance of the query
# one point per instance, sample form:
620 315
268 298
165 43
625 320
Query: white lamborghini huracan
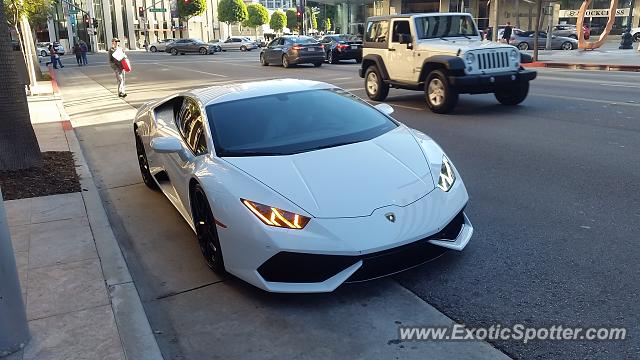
300 186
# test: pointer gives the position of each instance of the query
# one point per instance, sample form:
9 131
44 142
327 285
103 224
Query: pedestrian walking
506 34
116 54
84 48
55 57
78 53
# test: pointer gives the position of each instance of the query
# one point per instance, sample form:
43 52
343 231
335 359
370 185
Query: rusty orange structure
587 45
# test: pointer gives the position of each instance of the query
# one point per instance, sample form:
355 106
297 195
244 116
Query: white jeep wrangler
443 55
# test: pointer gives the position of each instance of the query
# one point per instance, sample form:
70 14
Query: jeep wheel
441 97
513 95
376 89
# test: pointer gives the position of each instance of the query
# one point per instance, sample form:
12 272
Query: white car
160 45
42 48
291 199
635 32
237 43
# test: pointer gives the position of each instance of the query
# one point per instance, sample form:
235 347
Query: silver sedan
160 45
525 41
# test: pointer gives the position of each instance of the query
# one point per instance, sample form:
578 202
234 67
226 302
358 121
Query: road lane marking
197 71
621 85
608 102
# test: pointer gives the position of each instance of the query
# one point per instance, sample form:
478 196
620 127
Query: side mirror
166 145
384 108
405 39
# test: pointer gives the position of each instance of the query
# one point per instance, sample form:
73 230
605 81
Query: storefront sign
592 13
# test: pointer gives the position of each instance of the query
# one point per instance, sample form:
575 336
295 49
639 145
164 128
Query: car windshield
303 40
439 26
290 123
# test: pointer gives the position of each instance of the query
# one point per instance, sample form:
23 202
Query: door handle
392 49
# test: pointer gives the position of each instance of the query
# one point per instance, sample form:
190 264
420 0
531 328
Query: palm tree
18 144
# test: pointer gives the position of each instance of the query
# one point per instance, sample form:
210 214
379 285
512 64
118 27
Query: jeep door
400 57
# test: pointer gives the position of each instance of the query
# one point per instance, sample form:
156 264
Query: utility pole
14 331
632 4
549 12
536 39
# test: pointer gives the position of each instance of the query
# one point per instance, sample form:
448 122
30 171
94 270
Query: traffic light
95 23
186 2
87 19
140 12
299 11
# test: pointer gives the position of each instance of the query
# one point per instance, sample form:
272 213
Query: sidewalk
608 57
81 302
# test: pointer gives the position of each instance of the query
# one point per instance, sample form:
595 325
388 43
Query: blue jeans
84 58
56 62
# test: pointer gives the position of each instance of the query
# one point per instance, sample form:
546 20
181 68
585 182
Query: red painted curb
66 125
54 82
558 65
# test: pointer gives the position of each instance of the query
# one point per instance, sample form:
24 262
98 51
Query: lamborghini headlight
447 175
276 217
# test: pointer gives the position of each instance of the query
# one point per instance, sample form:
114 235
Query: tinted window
190 124
429 27
274 42
400 27
303 40
292 123
377 31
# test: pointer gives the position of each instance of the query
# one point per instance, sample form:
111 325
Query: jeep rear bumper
488 83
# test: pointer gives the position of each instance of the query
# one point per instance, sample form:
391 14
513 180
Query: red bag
126 65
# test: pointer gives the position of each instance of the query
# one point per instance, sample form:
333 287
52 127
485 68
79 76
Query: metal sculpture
587 45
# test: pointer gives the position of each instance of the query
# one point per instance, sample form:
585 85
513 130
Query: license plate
354 47
312 49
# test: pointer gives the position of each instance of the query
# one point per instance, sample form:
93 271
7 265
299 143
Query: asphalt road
554 197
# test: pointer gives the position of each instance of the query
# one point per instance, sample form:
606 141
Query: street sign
157 10
73 11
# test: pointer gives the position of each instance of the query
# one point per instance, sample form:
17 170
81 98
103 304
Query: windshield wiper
443 38
332 145
250 153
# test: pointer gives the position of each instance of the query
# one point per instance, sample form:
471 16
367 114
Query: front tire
440 95
144 164
263 61
636 37
243 48
375 88
153 49
174 52
203 51
513 95
206 230
523 46
43 53
567 46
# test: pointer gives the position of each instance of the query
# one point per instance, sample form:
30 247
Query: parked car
342 47
635 32
570 31
160 45
237 43
42 48
292 50
183 46
525 41
259 191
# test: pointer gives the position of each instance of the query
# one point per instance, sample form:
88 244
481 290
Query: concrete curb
136 336
561 65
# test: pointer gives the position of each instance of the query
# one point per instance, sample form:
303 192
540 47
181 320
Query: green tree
278 21
314 21
18 145
327 25
232 11
257 16
36 11
292 19
190 8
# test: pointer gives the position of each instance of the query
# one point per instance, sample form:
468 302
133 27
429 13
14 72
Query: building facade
73 21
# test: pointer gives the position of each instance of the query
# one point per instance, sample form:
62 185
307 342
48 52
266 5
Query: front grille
293 267
493 60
